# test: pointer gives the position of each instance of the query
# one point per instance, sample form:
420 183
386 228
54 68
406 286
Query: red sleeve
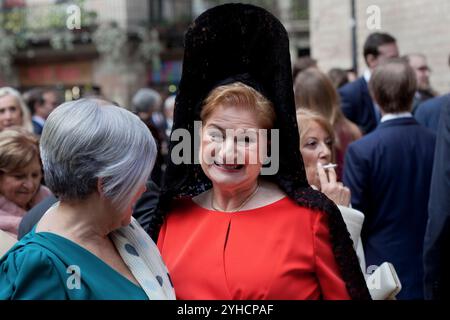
331 283
161 236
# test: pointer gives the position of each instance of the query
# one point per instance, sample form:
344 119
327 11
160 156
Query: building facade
112 47
420 26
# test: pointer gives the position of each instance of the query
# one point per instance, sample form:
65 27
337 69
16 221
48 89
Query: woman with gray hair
13 110
88 246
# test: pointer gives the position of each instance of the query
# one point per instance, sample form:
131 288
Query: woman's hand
331 188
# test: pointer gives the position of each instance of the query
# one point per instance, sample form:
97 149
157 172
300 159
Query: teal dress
44 265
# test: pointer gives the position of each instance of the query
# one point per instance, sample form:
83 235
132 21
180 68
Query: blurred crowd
371 144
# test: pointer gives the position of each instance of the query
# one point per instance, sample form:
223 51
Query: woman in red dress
229 228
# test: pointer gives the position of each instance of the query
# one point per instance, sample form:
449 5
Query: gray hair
26 117
87 140
146 100
169 102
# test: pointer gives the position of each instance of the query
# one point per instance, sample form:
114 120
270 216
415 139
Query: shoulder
9 208
298 215
432 105
425 132
42 193
352 86
437 101
364 144
28 253
28 269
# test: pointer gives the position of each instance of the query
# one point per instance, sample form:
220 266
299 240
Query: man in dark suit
356 101
437 236
428 113
388 172
424 91
41 101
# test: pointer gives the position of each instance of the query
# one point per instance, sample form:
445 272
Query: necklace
240 206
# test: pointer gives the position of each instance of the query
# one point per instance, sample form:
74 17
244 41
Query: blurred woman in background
13 111
317 149
20 177
315 91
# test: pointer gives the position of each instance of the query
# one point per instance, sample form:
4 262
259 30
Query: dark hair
338 77
303 63
36 96
374 41
393 85
33 97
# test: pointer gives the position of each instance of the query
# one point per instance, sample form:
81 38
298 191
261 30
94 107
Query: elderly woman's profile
88 246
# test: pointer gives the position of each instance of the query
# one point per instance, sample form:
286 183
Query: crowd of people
93 205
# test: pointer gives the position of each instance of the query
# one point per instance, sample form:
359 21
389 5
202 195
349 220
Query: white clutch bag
383 283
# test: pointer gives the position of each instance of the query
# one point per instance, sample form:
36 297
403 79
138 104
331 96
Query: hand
334 190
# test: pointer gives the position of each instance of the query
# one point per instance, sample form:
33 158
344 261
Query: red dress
280 251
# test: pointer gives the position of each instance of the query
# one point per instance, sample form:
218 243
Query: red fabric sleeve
161 236
331 283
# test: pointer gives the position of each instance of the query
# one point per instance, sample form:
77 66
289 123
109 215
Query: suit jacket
427 113
389 173
420 97
37 127
357 104
437 236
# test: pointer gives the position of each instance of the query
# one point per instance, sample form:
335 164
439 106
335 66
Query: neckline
85 251
276 202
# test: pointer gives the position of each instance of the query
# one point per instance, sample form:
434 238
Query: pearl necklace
242 204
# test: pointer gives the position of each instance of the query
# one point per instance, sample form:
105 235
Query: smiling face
315 146
230 147
10 113
20 185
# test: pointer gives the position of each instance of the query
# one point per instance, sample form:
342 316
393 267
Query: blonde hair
18 148
240 95
315 91
26 117
306 117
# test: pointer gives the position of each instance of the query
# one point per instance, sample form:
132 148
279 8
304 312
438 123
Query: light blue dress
44 265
